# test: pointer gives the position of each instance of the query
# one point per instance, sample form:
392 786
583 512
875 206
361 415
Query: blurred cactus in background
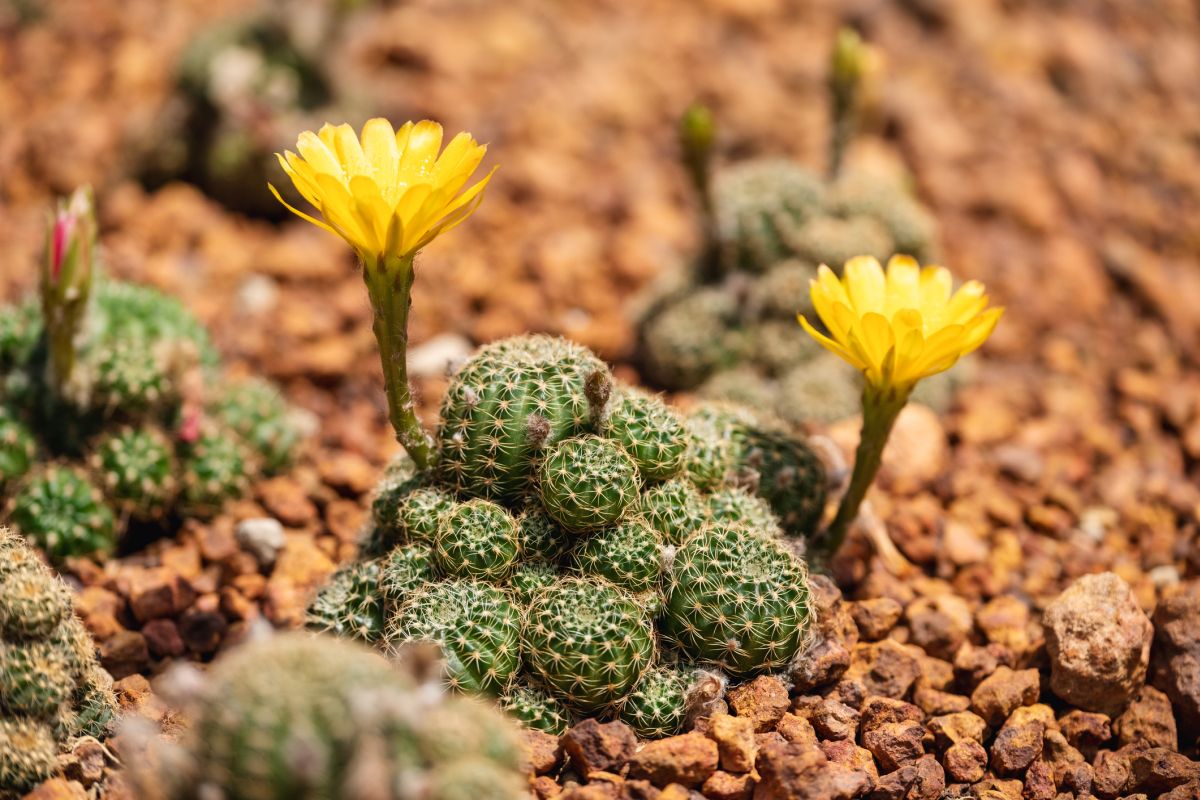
113 406
52 689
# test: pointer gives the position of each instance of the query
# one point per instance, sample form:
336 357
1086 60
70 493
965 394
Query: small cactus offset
107 412
588 482
310 718
759 206
558 598
52 690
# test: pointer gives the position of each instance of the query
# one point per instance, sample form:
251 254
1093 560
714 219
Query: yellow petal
298 212
866 285
831 345
936 285
319 156
903 284
379 146
420 153
349 151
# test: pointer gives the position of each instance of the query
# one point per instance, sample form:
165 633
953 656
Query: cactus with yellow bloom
896 327
388 194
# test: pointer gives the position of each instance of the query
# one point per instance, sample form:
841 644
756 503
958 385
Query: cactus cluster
310 718
52 689
145 429
730 331
542 552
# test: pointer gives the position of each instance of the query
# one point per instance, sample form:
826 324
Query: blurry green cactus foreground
113 409
52 690
308 718
582 548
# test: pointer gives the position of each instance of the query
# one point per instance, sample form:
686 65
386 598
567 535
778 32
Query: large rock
1098 640
1177 652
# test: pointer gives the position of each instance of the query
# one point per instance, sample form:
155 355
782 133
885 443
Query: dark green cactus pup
256 411
588 642
530 577
675 509
352 604
137 466
735 506
477 626
649 431
737 600
312 718
536 708
52 689
419 513
476 539
406 569
540 536
628 555
214 468
658 707
588 482
64 513
514 398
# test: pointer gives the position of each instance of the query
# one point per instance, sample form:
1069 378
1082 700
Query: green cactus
864 194
835 240
476 625
419 513
476 539
737 600
540 536
514 398
530 577
130 375
256 411
775 346
588 642
587 482
628 555
689 339
712 454
51 688
136 467
649 431
758 206
400 479
736 506
129 311
744 385
61 510
406 569
310 718
658 706
351 604
821 391
214 469
536 708
18 447
20 330
675 509
782 291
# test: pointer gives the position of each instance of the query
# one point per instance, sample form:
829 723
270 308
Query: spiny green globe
835 240
862 193
690 338
588 482
351 604
712 456
820 391
737 600
405 569
588 642
17 447
214 469
782 292
536 708
36 678
420 512
28 754
476 539
649 431
34 603
658 707
759 205
137 469
540 536
530 577
256 411
477 626
514 398
64 513
628 555
314 718
675 509
736 506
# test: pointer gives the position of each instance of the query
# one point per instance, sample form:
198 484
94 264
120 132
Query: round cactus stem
880 410
389 283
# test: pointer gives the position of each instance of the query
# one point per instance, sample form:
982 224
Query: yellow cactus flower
390 193
903 326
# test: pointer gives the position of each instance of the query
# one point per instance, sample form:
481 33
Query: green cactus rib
476 539
587 482
587 642
61 510
540 536
515 397
675 509
477 626
530 577
737 600
351 604
628 555
735 506
406 569
649 431
419 513
137 469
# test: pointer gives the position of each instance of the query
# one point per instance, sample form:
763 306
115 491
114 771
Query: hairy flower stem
881 407
389 283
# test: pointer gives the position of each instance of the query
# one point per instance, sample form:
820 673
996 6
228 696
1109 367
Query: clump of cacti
113 408
52 689
312 718
542 552
727 328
